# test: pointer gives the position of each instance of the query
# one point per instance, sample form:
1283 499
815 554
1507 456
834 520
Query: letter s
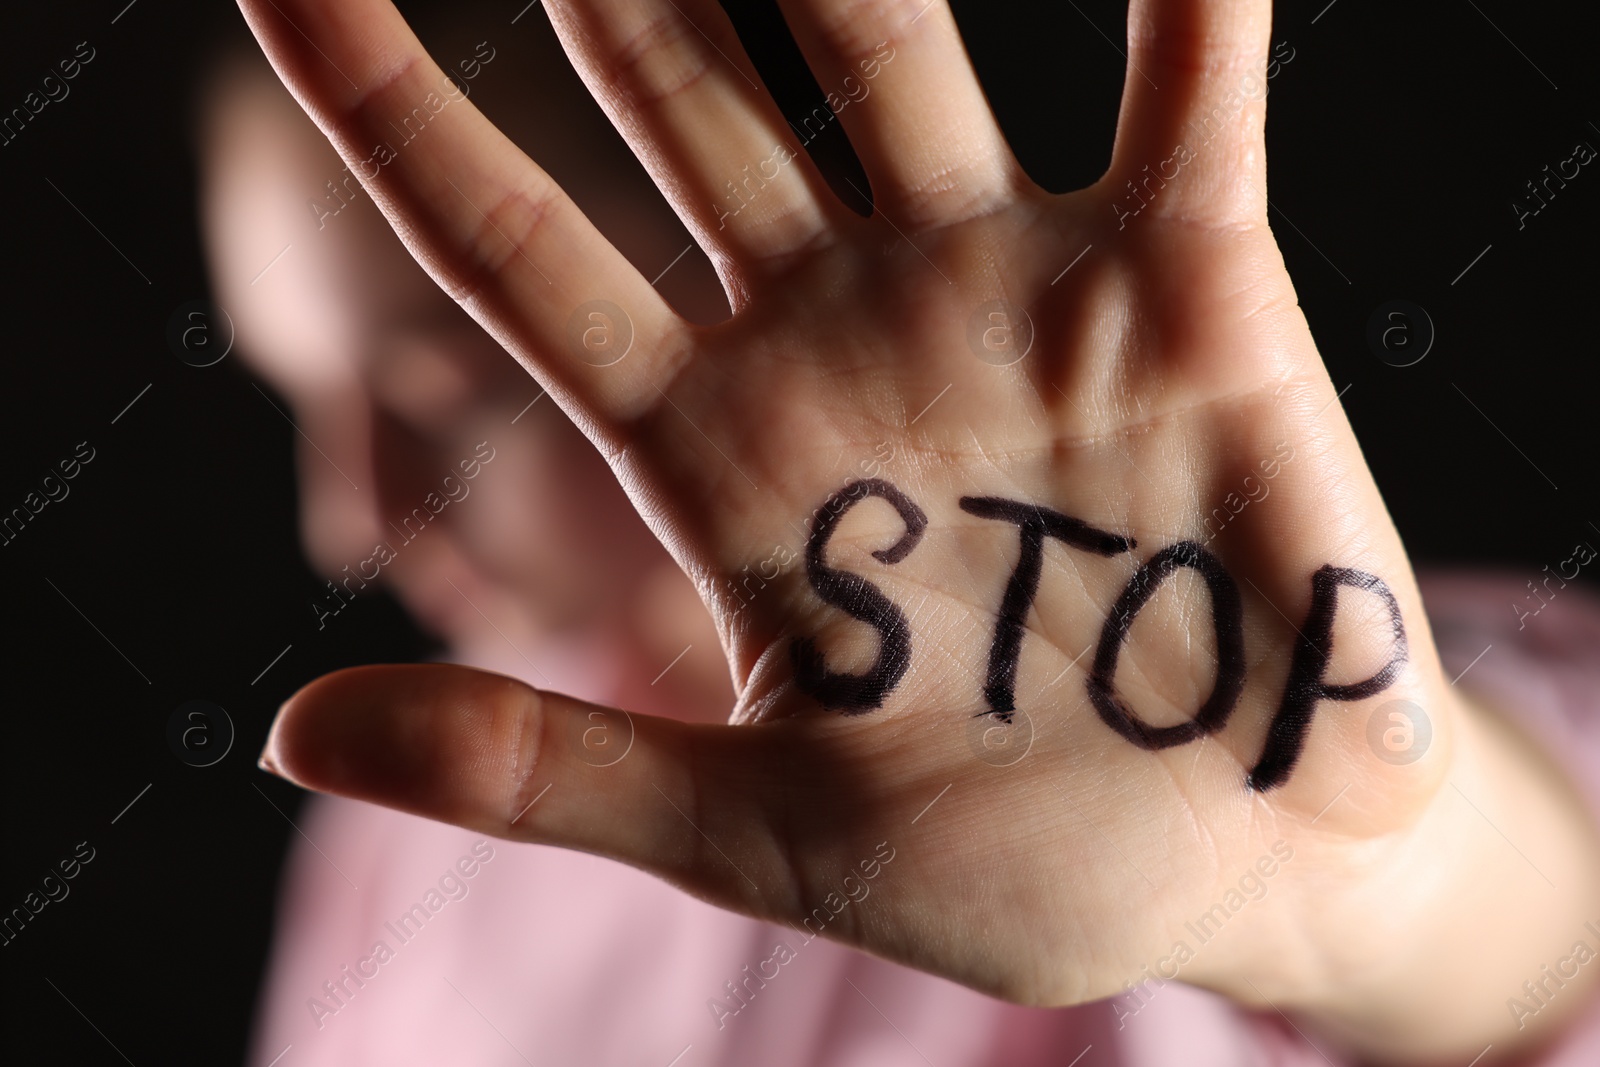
860 599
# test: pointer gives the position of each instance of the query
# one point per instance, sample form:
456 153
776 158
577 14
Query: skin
1166 365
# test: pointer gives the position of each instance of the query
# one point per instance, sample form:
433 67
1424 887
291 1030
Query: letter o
1227 617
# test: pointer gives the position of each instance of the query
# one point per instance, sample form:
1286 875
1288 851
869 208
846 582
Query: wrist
1426 952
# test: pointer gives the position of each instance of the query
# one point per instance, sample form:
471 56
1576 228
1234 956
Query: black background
1398 139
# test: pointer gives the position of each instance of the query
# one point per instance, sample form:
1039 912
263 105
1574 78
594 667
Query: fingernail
266 761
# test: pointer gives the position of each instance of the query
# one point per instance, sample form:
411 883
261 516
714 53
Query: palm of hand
1165 381
1168 389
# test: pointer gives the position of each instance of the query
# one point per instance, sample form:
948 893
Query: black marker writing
859 598
1312 651
1035 524
854 694
1227 618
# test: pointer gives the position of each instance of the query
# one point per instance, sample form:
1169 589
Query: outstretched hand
1044 558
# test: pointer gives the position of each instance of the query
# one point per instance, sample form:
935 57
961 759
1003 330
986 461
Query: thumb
695 804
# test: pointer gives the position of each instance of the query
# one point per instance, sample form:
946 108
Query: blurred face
416 432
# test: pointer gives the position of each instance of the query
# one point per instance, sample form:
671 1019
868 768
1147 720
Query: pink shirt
499 953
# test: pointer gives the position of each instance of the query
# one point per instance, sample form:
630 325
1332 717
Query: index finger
486 223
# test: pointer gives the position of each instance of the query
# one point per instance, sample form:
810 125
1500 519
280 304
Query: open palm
1030 522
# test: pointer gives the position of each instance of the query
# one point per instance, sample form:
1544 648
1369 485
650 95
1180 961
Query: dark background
1398 137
